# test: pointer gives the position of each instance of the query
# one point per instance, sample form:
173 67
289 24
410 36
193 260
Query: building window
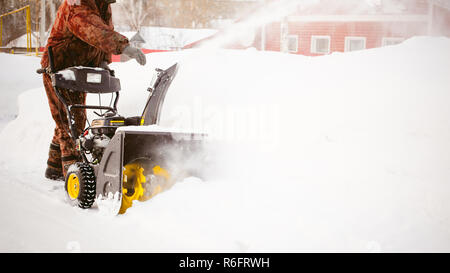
320 44
293 43
355 43
387 41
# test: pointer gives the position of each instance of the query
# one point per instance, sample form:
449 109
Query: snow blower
123 159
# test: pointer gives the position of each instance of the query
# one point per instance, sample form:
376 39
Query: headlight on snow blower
94 78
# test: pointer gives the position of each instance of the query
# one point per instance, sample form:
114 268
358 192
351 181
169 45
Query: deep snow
346 152
17 76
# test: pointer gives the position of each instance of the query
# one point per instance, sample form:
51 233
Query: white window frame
348 39
296 41
387 39
314 45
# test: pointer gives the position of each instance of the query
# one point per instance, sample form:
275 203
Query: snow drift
345 152
17 75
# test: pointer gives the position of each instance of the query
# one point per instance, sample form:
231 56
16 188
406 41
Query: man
82 35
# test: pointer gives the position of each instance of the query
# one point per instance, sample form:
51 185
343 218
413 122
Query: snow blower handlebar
82 79
50 59
51 67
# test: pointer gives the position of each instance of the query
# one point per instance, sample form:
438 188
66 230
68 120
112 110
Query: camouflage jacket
83 35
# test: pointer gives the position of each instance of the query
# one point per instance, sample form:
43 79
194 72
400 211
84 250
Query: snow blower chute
122 158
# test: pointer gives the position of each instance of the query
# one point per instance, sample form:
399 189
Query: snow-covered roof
128 34
137 38
22 41
163 38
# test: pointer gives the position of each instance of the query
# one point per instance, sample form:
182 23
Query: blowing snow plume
269 12
244 32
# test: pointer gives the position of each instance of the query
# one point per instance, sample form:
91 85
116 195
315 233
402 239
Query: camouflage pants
62 148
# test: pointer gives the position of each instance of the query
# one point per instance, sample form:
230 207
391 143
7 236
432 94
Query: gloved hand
135 53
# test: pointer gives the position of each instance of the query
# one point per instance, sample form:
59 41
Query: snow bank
17 74
346 152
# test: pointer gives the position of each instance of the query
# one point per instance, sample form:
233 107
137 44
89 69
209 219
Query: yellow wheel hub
137 187
73 186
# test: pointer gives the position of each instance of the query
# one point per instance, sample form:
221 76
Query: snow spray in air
268 13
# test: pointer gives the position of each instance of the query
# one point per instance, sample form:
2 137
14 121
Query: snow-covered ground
345 152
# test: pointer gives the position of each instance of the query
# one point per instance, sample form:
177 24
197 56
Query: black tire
80 184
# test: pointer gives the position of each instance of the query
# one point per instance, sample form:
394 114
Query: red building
340 26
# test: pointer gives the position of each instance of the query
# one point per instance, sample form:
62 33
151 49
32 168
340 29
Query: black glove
135 53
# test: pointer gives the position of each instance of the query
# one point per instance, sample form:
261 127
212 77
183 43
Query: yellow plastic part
158 171
73 186
117 121
134 173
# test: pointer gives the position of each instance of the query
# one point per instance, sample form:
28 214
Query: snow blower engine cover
86 79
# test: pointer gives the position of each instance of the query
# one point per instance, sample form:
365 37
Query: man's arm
85 23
